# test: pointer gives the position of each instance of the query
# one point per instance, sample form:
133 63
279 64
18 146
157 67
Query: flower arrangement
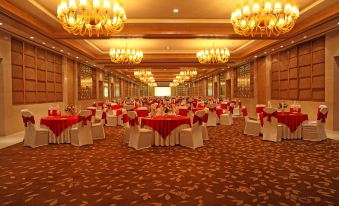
70 109
282 105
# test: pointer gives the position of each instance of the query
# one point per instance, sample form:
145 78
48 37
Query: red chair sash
125 118
28 119
197 119
133 122
212 109
322 117
230 108
269 115
244 112
84 119
104 116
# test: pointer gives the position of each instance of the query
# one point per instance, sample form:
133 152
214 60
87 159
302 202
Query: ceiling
169 40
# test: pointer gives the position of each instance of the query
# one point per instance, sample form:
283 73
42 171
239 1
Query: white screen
162 91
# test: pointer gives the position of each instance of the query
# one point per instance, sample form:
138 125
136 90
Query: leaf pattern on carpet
231 169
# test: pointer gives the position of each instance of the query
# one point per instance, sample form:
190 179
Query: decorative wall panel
298 73
87 82
36 74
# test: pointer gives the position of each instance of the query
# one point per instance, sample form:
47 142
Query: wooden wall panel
30 80
304 79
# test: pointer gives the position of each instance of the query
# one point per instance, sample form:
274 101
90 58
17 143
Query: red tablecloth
223 105
119 112
164 125
93 110
114 107
142 113
259 109
59 124
290 119
183 112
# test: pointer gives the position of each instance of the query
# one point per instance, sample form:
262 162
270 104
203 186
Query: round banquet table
291 124
166 129
59 127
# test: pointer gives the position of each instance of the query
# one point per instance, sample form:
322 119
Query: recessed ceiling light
43 43
281 46
87 61
265 52
255 56
337 23
53 47
305 37
175 10
61 50
94 65
77 57
1 23
32 37
272 49
292 42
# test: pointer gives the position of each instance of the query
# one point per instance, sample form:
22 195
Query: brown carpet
231 169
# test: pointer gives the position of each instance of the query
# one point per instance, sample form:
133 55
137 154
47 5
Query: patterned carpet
231 169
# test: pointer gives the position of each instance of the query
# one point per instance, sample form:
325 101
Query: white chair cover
212 115
98 131
192 137
139 138
82 135
35 136
252 127
270 127
315 130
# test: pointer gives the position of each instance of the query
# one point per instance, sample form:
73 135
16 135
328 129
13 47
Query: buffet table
59 127
166 128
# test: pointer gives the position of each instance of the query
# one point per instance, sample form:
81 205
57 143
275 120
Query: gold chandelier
213 56
146 77
265 19
126 56
101 17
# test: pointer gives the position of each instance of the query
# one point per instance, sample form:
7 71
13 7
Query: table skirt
64 137
171 140
287 134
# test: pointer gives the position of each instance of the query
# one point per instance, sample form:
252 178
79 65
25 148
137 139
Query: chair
192 137
236 110
204 126
98 115
120 117
35 136
270 125
112 120
315 130
139 138
212 115
98 131
226 119
252 127
82 134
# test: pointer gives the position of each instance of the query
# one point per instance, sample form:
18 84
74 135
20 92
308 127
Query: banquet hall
169 102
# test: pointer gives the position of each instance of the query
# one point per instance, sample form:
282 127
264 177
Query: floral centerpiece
282 106
70 109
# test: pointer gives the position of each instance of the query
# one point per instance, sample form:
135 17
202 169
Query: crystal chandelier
188 72
126 56
213 56
146 77
265 19
100 18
